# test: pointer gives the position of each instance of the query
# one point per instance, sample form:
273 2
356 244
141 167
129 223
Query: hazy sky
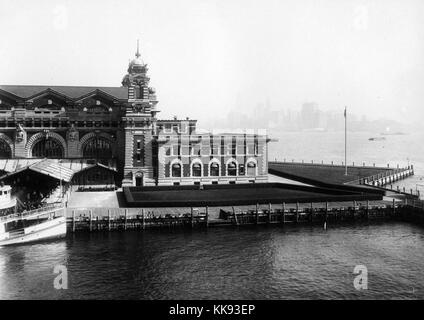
206 57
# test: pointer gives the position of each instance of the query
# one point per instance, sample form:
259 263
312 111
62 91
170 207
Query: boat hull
55 228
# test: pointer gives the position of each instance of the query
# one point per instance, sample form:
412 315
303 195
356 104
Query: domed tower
140 125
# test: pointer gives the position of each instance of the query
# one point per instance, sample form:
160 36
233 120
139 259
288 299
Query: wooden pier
95 219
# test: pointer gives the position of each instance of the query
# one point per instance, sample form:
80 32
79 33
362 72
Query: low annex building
118 127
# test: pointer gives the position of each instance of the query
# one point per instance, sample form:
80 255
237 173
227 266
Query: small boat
34 225
376 138
7 203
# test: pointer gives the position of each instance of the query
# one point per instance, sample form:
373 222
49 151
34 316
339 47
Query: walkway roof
59 169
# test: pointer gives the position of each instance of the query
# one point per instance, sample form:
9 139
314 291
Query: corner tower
139 125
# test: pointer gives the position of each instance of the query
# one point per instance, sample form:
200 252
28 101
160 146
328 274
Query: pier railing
385 178
39 211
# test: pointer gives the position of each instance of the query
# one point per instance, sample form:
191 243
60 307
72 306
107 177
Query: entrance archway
139 179
97 148
5 150
48 148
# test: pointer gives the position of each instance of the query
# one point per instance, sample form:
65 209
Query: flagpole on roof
345 117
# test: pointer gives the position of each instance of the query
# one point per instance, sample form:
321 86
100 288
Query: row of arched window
214 169
95 148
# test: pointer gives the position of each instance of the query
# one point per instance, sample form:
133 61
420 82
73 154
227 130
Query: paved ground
107 199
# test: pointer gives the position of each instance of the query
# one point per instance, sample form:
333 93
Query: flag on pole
345 112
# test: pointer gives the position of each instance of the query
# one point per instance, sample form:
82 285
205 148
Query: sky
207 57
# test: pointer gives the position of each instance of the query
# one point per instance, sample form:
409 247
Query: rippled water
247 263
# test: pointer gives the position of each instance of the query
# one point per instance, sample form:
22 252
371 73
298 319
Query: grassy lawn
326 174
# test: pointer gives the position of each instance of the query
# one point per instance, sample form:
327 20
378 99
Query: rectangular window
196 150
168 151
229 148
168 128
175 150
138 152
215 149
185 151
256 145
234 146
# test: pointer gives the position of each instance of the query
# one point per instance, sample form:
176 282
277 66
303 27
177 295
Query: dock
115 219
330 174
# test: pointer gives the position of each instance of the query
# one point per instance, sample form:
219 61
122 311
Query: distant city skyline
309 116
207 56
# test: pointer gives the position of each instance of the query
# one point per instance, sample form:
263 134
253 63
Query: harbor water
245 263
263 262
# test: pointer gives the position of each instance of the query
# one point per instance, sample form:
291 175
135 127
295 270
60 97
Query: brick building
117 128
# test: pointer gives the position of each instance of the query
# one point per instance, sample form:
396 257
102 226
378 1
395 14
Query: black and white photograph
232 151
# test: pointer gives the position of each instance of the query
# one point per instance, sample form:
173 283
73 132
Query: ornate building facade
118 127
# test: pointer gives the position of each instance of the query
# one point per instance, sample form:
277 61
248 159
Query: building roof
11 165
53 169
73 92
63 170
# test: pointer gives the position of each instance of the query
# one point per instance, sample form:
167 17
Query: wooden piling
108 220
257 213
297 212
235 216
91 220
125 221
192 217
143 220
73 220
269 213
207 217
354 209
311 214
326 211
393 208
283 218
368 209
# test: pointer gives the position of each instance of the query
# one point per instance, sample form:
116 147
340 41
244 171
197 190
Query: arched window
48 148
251 169
232 169
176 170
97 148
214 169
197 170
5 151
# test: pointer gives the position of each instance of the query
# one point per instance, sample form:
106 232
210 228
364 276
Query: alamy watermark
361 280
61 280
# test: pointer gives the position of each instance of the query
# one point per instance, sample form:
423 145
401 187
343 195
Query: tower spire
138 49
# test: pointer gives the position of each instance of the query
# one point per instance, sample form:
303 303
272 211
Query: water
401 150
247 263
